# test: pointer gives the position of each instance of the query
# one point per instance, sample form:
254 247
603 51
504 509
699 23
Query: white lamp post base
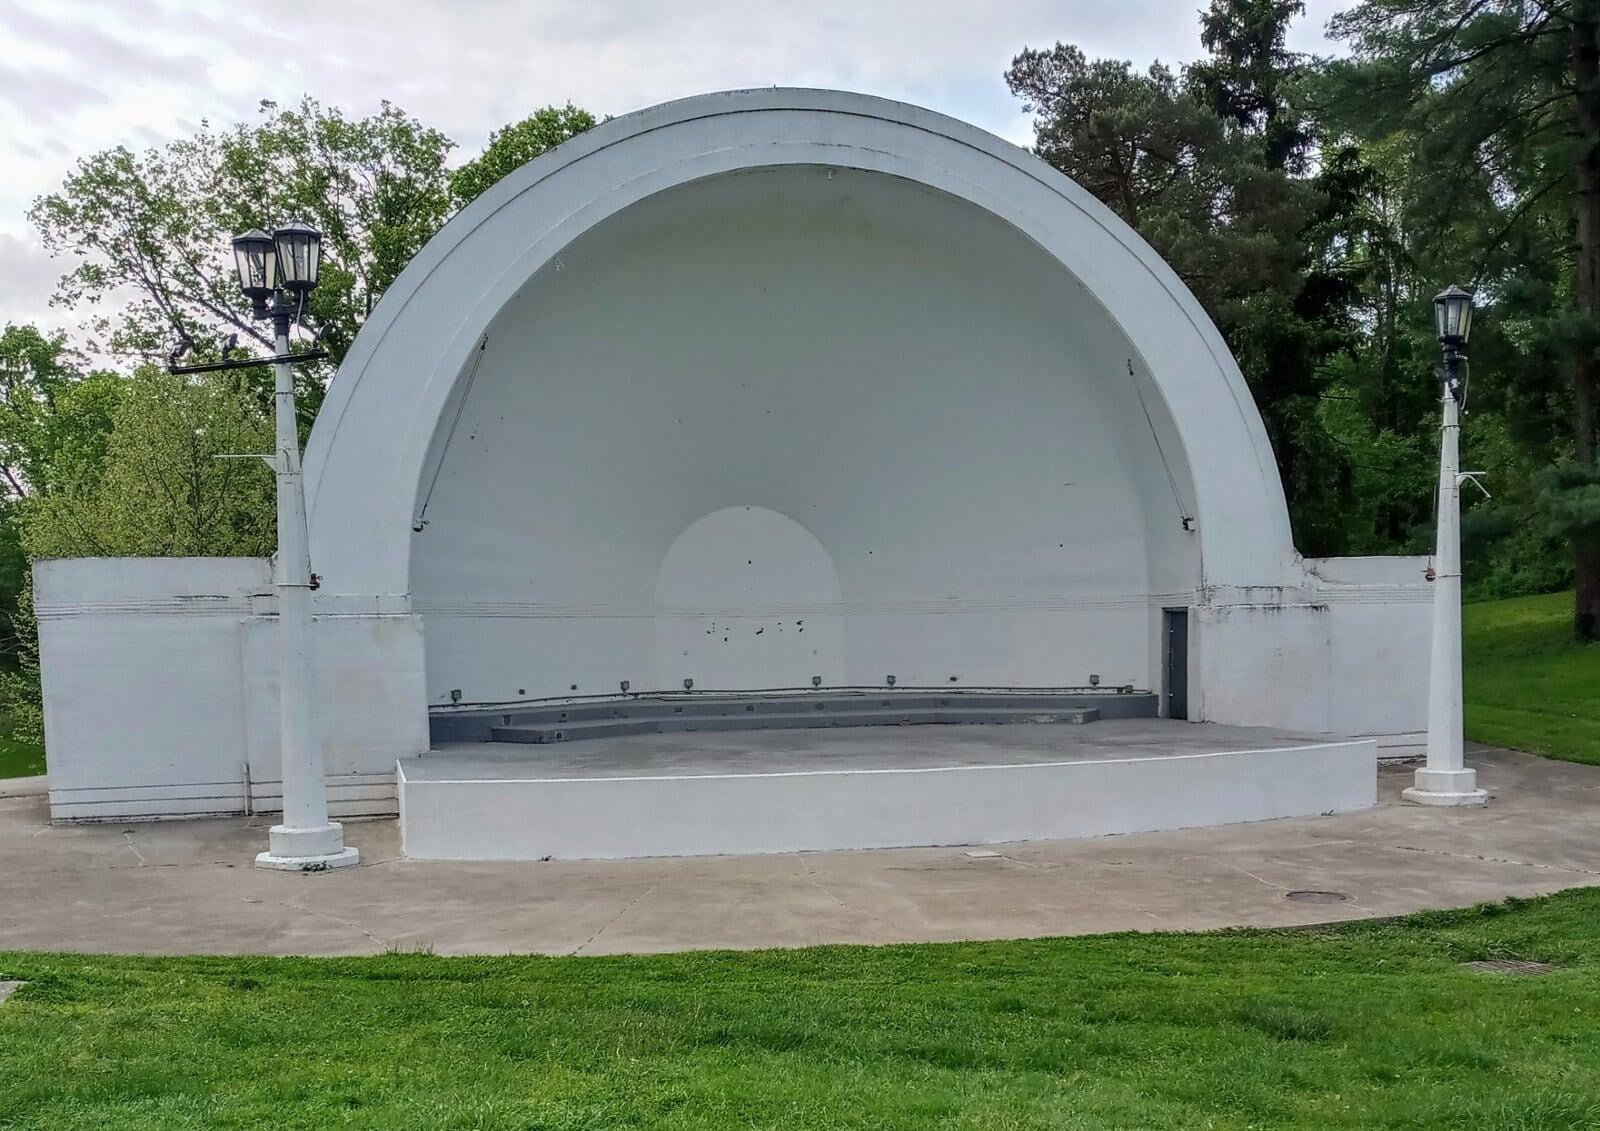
1446 787
315 849
341 859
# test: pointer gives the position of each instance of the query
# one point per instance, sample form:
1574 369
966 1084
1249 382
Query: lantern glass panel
255 258
299 255
1452 311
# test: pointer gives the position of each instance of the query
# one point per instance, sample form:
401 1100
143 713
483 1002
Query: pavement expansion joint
324 915
1572 868
627 907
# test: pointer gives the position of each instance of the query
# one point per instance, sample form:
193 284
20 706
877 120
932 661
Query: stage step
683 724
611 718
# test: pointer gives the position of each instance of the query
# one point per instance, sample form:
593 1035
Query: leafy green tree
33 366
156 226
171 481
150 232
54 424
101 464
1500 102
515 145
54 420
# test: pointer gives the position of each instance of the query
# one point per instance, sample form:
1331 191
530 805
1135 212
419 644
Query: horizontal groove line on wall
349 786
538 610
255 608
144 608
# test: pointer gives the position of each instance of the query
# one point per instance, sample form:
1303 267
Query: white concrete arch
769 389
380 438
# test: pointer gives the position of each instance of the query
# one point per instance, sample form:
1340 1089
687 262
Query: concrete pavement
188 887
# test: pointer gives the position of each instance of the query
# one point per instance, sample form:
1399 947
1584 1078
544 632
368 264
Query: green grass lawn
1528 684
18 759
1357 1026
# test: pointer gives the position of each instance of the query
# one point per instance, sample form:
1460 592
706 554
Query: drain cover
1317 896
1512 966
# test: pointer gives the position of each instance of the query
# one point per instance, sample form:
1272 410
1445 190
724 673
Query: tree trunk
1586 378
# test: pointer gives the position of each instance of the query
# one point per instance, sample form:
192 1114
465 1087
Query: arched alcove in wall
983 399
746 599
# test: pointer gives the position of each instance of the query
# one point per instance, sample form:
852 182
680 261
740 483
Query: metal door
1175 661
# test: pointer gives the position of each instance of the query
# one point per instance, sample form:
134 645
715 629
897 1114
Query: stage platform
689 794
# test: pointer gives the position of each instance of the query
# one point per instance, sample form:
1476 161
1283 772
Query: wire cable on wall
419 520
1172 480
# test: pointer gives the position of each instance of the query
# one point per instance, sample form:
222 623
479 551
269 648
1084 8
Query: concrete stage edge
709 794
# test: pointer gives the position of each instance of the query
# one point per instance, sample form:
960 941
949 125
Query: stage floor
875 787
840 750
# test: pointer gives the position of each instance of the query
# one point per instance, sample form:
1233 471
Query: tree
54 420
1502 98
171 481
514 146
1249 71
1187 161
54 424
33 366
157 226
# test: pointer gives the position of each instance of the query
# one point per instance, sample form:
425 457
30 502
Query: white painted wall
798 395
1344 653
1382 614
160 689
746 595
575 818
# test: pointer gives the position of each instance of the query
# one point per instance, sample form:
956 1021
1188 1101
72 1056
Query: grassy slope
1353 1026
1528 684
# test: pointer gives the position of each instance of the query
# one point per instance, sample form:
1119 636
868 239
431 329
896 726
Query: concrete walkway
188 887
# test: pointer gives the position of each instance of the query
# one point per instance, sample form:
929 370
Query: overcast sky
77 76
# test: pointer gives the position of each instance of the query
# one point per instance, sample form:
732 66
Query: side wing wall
160 690
1347 653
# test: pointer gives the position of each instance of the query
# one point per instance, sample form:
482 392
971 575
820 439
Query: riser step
616 728
647 708
475 725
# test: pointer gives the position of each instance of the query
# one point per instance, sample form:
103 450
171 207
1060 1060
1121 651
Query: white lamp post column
1445 779
306 840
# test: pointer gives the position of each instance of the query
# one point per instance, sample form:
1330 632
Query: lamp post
276 273
1446 780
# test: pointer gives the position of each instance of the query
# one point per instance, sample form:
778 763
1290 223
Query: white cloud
81 75
27 277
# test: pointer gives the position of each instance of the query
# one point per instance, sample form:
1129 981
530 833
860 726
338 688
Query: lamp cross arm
268 458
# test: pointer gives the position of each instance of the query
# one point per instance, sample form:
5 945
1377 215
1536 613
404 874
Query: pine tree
1503 99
